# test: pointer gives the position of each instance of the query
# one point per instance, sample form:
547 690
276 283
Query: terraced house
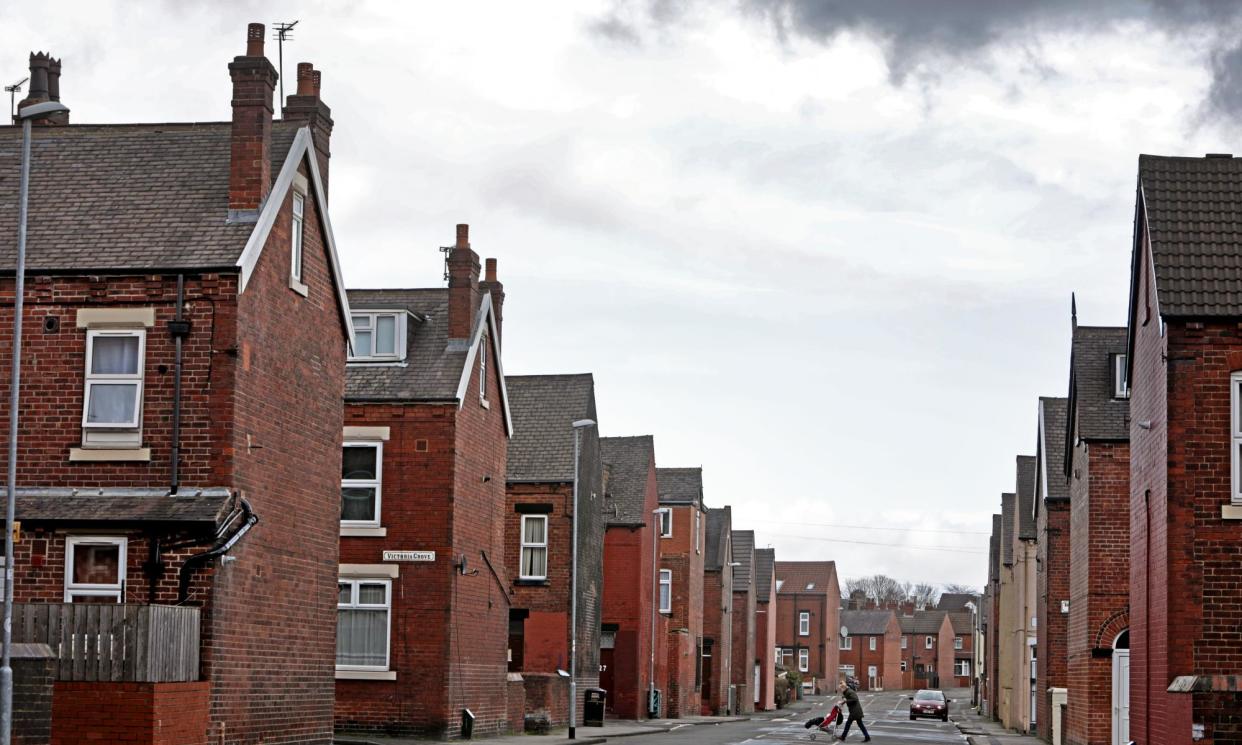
719 694
1052 567
171 480
683 533
808 608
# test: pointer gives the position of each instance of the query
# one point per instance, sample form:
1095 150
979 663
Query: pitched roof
866 622
994 552
680 485
628 460
956 601
765 565
129 196
1099 416
431 368
922 622
963 623
1007 526
744 555
1026 497
1193 209
544 409
719 524
805 576
1052 421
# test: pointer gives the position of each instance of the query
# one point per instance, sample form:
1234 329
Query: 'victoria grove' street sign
409 556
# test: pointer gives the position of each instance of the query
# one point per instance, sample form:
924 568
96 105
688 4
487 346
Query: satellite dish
845 631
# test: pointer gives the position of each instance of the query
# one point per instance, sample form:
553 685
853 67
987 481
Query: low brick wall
147 713
33 676
547 696
516 713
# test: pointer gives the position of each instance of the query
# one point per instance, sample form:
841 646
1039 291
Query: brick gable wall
685 623
718 623
1052 586
744 643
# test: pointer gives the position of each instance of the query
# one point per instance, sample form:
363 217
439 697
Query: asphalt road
887 716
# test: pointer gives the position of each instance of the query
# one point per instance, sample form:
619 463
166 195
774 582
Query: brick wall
32 697
718 625
685 622
861 657
149 713
627 604
823 640
765 643
1052 586
744 647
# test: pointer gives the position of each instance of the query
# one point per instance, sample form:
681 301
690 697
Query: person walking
856 711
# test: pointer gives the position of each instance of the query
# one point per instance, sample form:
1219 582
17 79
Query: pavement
981 730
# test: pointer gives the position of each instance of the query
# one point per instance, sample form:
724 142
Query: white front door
1121 696
756 682
1034 671
872 684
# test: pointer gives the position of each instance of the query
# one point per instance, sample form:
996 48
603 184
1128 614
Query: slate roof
544 407
994 552
1054 415
431 371
680 485
719 522
628 461
866 622
64 505
1007 505
1194 217
963 623
1099 415
956 601
1026 497
795 576
765 564
744 554
922 622
131 196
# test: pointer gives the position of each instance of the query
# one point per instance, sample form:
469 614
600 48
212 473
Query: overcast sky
823 249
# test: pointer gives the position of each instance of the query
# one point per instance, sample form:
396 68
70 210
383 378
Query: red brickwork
744 648
824 604
885 658
718 631
1051 587
765 643
685 622
146 713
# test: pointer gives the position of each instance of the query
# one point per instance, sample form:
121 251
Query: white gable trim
299 150
486 318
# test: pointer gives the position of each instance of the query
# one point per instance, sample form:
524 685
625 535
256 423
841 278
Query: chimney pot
463 236
306 82
39 63
490 272
315 82
254 40
53 79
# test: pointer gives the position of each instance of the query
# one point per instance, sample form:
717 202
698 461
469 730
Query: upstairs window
905 641
295 232
94 569
957 642
847 642
483 369
361 482
871 643
1121 382
114 362
1235 381
927 643
696 530
804 623
665 516
378 336
666 590
534 547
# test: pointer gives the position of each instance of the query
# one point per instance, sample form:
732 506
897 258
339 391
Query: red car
929 704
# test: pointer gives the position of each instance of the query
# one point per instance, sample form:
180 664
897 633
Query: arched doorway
1121 688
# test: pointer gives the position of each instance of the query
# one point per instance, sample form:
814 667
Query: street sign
409 556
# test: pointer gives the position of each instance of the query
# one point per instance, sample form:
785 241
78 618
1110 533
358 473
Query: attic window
779 582
1121 383
810 585
379 336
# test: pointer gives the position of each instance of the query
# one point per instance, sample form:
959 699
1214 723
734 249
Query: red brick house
539 524
746 670
808 607
423 605
1097 464
1185 378
927 649
962 609
719 578
871 648
765 627
683 533
1052 552
631 625
990 679
183 362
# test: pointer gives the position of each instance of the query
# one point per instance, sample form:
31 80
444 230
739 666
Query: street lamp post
652 709
26 115
578 426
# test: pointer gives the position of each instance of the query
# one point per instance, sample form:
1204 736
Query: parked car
927 703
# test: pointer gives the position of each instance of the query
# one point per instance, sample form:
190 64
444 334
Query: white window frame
697 519
482 369
961 668
957 642
1121 386
96 590
666 591
905 641
533 546
927 643
1235 397
354 582
664 517
847 670
871 643
804 660
399 331
780 654
105 379
847 643
904 666
296 235
377 483
804 623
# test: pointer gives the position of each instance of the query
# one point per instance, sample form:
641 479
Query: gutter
187 568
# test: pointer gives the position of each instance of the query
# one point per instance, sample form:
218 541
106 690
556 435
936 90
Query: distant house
683 535
808 607
870 646
1016 628
990 626
746 672
765 627
1052 557
927 649
538 529
718 614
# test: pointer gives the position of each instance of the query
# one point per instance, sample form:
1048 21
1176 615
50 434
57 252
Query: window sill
1231 512
484 403
532 583
298 287
366 674
97 455
361 532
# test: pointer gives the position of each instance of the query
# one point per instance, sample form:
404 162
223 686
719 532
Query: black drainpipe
187 568
179 329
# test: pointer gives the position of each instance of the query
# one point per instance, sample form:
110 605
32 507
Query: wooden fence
112 642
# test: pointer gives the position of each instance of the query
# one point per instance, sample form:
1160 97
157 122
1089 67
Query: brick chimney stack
494 287
44 86
250 167
463 269
306 108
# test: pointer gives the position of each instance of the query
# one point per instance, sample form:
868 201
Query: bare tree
961 589
879 587
925 595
